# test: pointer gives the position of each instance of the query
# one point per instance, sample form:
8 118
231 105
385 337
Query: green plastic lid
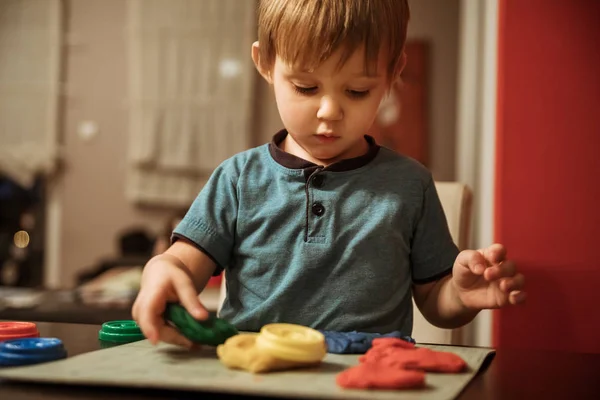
120 332
213 331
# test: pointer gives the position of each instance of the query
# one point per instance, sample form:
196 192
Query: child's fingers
515 283
148 328
148 315
505 269
495 253
188 297
517 297
472 260
168 334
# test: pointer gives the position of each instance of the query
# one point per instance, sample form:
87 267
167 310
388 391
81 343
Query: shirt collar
293 162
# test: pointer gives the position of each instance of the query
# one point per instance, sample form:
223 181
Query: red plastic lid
18 330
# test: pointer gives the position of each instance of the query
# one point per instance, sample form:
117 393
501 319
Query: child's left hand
485 279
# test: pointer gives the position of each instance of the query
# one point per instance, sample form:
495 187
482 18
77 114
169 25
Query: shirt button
318 209
317 181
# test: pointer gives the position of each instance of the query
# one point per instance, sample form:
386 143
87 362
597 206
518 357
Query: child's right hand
165 279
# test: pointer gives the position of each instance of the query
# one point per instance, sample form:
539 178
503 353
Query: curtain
191 85
30 32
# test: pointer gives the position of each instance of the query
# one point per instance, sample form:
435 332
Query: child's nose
329 109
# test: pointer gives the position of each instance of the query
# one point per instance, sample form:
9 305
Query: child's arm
440 305
480 280
200 266
177 275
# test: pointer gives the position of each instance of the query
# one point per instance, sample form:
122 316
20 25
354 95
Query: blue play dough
356 342
31 351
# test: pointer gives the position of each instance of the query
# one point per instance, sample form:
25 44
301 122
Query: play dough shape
393 354
292 342
373 376
212 332
240 352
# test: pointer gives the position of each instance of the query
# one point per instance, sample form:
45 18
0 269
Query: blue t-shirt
333 248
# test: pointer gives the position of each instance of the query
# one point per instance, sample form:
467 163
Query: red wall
547 209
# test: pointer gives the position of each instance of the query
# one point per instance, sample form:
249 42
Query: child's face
328 111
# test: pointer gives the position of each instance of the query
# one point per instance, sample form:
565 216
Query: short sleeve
211 220
433 251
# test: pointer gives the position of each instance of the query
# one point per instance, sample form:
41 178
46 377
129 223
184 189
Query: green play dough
213 331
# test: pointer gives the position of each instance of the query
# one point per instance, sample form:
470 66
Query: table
62 306
511 374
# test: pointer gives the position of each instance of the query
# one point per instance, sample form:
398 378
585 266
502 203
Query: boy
322 227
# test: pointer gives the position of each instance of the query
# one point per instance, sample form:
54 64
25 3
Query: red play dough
417 358
392 342
374 376
393 363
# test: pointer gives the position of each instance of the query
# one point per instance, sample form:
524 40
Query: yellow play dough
292 342
277 347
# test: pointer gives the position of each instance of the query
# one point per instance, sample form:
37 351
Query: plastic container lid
18 330
212 332
31 351
125 331
292 342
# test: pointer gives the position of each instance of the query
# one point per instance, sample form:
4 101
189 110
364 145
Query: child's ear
400 66
260 66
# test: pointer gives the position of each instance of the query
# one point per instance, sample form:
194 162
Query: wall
436 21
476 131
92 198
547 171
91 193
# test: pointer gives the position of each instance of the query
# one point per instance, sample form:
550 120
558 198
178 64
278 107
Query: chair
456 199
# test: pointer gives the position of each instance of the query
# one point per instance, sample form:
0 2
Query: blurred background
111 75
113 114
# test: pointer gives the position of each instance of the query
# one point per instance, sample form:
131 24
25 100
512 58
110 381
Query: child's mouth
327 138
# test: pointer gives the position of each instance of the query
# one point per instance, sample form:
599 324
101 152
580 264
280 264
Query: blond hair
305 33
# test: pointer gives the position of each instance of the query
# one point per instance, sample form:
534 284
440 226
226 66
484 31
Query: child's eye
306 91
358 93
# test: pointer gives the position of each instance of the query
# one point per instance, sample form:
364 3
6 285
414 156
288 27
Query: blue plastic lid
31 351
